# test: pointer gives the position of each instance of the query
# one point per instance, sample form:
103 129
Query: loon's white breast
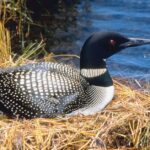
100 97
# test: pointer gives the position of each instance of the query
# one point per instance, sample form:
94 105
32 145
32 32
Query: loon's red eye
112 42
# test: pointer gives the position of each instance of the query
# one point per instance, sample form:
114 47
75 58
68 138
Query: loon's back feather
43 89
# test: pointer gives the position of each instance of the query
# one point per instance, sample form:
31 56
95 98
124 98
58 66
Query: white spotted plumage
41 90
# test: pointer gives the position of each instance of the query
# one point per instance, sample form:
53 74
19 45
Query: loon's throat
97 77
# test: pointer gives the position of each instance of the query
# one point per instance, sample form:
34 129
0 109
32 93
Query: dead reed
5 46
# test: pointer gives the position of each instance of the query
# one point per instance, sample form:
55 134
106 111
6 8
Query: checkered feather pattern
41 90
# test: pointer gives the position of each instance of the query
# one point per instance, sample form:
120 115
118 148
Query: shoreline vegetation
123 125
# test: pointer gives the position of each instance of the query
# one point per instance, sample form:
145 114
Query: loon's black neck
92 64
96 73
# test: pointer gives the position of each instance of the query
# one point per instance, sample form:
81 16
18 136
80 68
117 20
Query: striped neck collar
97 77
91 73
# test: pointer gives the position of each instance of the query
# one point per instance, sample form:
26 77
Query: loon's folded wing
20 103
42 88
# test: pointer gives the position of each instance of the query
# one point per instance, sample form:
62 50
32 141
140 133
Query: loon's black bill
135 42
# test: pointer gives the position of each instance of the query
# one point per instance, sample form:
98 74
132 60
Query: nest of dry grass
124 124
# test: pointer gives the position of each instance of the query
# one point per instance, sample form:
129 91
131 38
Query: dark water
131 18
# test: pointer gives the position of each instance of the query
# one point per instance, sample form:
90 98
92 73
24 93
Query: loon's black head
102 45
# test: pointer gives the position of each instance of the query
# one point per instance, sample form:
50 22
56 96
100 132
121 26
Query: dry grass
7 58
15 11
124 124
5 46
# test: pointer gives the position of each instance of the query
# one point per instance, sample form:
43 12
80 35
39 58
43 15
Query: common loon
50 89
